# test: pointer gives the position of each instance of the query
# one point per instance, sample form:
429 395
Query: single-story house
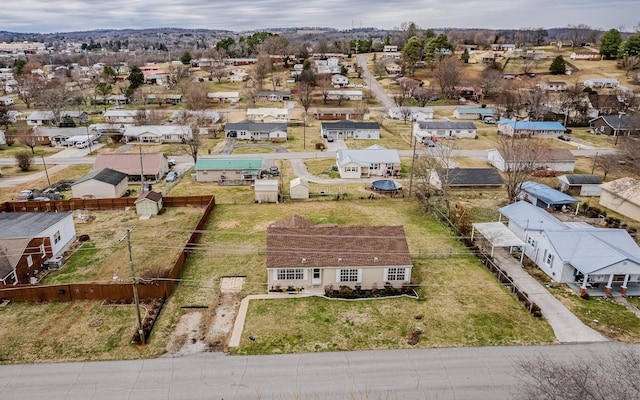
339 80
586 55
102 184
268 114
58 136
28 240
413 113
301 254
576 253
149 203
206 116
249 130
338 114
622 196
6 101
266 190
164 98
350 130
120 116
158 133
329 65
557 159
273 96
466 178
580 184
238 77
606 104
154 165
372 161
299 189
529 128
227 170
444 129
473 112
353 95
503 47
553 86
602 83
545 196
616 125
224 97
67 118
393 68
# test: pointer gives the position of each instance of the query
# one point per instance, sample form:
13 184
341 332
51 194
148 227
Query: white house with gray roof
249 130
373 161
598 260
158 133
102 183
444 129
346 129
28 239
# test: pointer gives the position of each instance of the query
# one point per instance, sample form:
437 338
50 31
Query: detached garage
102 184
266 190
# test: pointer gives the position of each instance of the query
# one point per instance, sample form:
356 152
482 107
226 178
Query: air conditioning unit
54 262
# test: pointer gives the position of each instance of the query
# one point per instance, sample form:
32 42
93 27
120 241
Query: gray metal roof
106 175
582 179
26 224
347 124
446 125
472 176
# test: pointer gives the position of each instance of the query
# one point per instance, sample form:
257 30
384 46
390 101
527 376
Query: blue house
545 196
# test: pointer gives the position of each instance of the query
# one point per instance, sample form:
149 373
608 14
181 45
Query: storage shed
102 183
299 189
266 190
149 203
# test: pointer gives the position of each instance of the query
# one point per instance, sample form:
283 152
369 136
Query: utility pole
141 168
620 114
45 170
413 160
304 132
135 288
595 160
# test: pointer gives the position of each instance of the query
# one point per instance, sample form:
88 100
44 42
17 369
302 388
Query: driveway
566 326
374 86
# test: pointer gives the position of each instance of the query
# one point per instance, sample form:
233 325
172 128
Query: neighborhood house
310 257
350 130
228 171
444 129
372 161
248 130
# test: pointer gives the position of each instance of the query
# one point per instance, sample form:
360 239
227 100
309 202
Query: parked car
274 171
330 139
171 162
489 120
41 198
429 143
25 195
564 137
171 177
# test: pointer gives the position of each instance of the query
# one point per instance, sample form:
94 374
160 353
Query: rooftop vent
304 260
339 259
376 259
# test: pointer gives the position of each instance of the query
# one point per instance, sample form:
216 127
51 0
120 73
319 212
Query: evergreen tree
558 67
631 47
186 58
136 78
610 44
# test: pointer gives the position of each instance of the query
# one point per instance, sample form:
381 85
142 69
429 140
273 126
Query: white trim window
395 274
289 274
531 241
56 237
29 261
349 275
548 258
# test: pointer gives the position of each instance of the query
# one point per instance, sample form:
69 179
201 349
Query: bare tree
448 73
520 157
305 94
29 86
423 95
178 75
53 97
608 163
405 114
276 80
490 81
436 167
616 376
193 142
195 97
28 136
261 70
536 102
324 82
579 34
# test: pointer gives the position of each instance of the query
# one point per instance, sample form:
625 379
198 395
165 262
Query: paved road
443 374
374 85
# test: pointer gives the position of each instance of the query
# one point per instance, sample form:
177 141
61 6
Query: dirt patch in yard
228 224
262 227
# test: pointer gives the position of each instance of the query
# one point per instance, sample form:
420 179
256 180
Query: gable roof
28 224
129 163
251 126
106 175
529 216
472 176
476 110
533 125
627 188
11 250
347 124
547 194
627 122
582 179
219 164
371 155
149 195
446 125
336 246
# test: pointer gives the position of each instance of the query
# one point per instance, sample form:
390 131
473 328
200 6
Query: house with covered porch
600 261
350 130
249 130
373 161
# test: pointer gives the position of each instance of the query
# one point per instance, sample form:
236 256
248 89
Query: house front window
395 274
548 258
289 274
349 275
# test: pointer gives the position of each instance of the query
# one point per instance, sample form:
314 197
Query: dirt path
209 329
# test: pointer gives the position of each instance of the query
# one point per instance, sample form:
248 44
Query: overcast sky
46 16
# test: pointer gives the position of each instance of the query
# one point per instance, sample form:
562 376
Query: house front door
316 276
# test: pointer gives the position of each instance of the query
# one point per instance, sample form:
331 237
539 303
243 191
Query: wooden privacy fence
153 288
98 204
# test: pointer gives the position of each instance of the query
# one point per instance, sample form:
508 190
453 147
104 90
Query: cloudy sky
75 15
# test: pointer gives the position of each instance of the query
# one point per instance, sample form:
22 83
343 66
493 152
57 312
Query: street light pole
135 288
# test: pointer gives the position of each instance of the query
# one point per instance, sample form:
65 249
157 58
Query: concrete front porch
598 290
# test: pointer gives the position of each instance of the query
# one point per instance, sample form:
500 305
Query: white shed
299 189
266 190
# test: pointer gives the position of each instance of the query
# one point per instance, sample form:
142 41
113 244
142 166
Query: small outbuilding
266 190
102 183
580 184
546 197
299 189
149 203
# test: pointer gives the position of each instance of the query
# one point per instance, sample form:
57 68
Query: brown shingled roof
335 246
